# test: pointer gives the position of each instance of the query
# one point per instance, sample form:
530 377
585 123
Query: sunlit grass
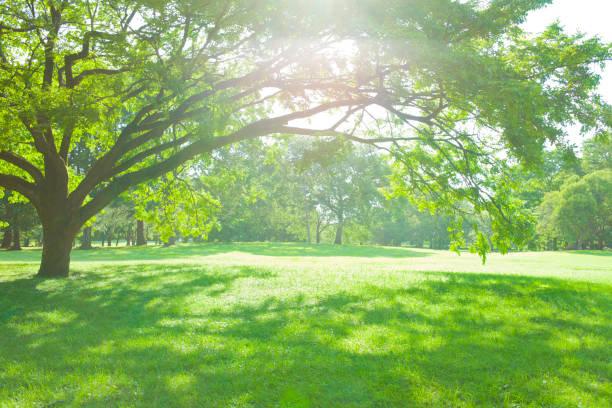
290 325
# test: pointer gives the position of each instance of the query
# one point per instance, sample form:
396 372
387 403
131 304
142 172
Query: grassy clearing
289 325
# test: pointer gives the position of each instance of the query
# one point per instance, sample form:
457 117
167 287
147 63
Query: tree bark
338 240
306 212
140 235
320 227
57 245
86 238
16 240
171 241
6 240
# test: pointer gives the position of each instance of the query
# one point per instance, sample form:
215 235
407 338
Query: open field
293 325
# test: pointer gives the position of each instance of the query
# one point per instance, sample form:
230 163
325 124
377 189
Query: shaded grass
234 328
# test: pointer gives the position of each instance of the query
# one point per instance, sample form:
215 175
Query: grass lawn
293 325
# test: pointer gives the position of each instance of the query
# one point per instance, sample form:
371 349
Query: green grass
290 325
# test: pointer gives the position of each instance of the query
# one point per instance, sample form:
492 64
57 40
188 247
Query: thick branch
50 46
39 140
101 170
21 186
23 164
70 59
124 182
66 140
125 165
97 71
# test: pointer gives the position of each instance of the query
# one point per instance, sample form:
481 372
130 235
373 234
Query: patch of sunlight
563 391
38 322
184 322
180 382
97 386
240 401
381 340
106 347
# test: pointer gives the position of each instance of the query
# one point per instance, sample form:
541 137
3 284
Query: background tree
20 221
346 186
114 223
596 155
582 210
259 194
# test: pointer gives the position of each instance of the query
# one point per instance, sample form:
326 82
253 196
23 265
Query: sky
592 17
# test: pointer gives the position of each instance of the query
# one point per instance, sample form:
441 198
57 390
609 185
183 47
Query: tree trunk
306 213
6 240
171 241
57 244
338 240
16 240
26 241
86 238
140 235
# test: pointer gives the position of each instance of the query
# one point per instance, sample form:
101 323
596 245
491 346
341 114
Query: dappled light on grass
283 335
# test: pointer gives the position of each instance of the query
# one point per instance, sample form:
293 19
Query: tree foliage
581 211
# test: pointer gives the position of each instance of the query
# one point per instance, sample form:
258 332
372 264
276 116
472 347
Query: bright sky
592 17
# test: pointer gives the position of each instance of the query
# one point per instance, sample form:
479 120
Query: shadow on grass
190 336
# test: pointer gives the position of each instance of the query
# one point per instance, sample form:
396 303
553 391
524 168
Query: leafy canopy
447 87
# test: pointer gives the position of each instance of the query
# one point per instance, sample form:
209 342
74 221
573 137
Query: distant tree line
328 191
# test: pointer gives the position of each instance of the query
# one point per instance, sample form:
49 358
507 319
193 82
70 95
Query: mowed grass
293 325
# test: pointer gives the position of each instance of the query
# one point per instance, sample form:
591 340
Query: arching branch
23 164
23 187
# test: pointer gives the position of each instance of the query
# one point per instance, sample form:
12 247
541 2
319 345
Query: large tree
151 85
